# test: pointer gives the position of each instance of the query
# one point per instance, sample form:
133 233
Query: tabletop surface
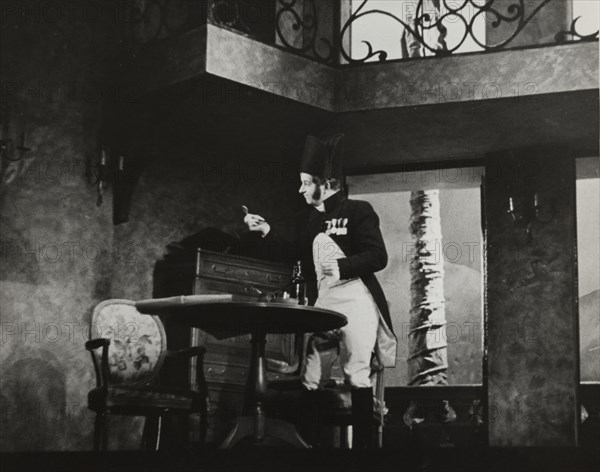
246 317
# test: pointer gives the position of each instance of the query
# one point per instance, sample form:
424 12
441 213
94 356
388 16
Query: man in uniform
342 242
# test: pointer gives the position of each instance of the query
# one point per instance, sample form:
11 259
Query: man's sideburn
316 196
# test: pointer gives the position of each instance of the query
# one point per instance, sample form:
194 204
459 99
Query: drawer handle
250 289
216 371
214 269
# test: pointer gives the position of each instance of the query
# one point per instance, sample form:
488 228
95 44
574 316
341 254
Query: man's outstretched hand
257 223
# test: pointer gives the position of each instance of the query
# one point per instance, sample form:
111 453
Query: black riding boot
362 418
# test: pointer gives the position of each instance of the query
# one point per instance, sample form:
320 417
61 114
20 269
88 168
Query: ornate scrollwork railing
428 27
307 22
562 36
303 26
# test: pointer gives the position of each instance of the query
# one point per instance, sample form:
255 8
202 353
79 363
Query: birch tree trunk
427 356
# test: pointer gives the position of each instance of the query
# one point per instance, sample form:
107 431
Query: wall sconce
98 174
104 173
121 175
527 210
11 152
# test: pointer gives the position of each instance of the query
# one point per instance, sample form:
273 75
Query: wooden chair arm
96 343
101 369
187 352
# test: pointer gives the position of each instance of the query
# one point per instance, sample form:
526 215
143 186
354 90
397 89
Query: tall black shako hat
323 158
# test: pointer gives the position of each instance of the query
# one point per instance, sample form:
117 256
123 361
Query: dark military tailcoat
354 226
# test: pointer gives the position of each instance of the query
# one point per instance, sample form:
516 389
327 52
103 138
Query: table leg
244 427
274 428
257 383
286 432
258 425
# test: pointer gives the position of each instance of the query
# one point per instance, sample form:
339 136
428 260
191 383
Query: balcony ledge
392 113
509 74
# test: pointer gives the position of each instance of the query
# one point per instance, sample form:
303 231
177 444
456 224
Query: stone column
532 342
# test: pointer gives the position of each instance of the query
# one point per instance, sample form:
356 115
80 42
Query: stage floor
268 459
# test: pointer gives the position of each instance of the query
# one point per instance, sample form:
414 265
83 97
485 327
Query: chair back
137 342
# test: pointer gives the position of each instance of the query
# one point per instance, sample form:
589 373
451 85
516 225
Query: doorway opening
458 253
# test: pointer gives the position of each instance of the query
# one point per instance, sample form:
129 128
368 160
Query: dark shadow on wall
34 403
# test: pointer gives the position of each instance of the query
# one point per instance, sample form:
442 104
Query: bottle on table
299 284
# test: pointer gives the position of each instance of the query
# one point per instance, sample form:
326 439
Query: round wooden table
257 319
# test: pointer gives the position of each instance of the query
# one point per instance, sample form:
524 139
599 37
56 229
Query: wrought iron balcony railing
424 25
329 30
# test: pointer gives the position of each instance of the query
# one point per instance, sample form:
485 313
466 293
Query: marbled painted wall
56 244
532 318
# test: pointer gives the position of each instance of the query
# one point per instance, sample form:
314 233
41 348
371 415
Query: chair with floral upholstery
128 350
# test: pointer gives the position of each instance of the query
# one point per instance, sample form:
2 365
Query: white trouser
356 340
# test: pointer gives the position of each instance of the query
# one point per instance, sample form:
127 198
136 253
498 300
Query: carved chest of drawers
227 351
